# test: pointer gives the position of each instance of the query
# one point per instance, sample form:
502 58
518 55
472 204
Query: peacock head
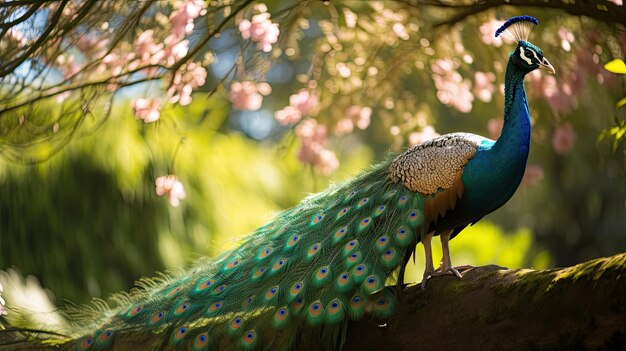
527 56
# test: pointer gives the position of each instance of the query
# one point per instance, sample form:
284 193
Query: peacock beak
547 66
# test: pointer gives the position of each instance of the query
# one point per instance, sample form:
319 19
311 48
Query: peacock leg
446 264
429 269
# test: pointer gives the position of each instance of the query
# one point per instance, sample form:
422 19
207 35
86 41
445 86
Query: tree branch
40 41
603 11
493 308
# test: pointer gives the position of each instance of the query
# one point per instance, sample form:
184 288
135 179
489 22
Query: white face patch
522 54
535 54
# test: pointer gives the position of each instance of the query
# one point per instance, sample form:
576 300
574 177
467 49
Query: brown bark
493 308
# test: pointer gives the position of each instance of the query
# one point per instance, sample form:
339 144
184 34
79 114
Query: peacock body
298 280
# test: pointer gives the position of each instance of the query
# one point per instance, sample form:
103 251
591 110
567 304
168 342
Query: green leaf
616 66
621 103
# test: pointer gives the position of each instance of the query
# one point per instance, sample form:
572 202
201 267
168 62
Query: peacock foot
443 270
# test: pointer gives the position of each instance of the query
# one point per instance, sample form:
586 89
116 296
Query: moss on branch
493 308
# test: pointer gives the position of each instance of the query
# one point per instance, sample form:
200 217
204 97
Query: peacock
297 281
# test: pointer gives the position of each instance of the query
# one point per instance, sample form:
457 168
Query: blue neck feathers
514 141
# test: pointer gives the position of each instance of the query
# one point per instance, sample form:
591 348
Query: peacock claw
451 270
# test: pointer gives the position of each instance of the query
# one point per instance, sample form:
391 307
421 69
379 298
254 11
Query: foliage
618 131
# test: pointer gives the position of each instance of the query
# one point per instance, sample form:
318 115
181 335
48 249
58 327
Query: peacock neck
514 140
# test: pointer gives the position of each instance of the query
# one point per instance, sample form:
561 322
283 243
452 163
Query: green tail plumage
306 272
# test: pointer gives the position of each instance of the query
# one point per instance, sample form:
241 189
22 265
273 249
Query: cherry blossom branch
131 24
202 42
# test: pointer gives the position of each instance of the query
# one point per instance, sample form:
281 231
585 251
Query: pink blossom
327 162
170 185
319 157
311 132
400 31
488 31
301 103
483 85
147 109
261 30
305 101
452 89
182 18
427 133
189 77
112 63
344 126
288 116
175 49
314 137
147 50
360 115
532 176
563 138
494 125
248 95
309 152
558 94
617 2
567 37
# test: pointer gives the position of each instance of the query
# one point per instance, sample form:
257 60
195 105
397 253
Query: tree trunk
493 308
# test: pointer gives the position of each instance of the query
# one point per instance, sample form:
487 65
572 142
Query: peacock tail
311 268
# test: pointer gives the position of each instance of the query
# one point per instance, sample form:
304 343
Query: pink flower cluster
147 109
149 50
567 38
488 30
427 133
533 175
558 94
355 115
483 85
182 18
170 185
189 77
248 95
452 89
563 138
314 138
260 29
302 103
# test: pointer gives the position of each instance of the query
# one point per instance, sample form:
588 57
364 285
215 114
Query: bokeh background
252 106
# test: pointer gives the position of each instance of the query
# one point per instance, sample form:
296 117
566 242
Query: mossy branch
493 308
